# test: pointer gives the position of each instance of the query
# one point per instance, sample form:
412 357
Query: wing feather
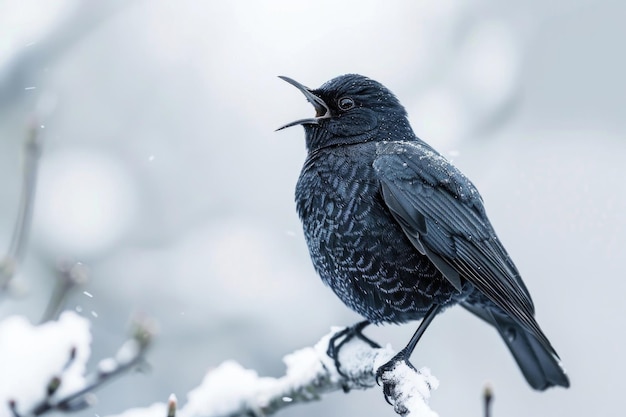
442 214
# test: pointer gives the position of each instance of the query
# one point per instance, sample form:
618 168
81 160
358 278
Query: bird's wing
442 214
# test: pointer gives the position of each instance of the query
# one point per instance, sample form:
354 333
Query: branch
66 391
69 277
11 261
232 391
487 400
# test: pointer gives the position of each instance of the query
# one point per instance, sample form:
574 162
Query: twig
69 276
15 253
171 406
128 357
487 400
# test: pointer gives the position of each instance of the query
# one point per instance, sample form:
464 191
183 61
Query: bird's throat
318 138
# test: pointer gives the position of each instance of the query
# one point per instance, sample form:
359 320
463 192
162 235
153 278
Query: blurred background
162 172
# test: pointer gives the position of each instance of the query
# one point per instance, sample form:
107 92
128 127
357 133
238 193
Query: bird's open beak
321 109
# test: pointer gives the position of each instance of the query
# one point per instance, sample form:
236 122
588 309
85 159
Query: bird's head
349 109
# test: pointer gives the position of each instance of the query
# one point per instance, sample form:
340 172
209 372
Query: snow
31 356
411 389
230 389
352 356
172 401
127 352
222 390
106 366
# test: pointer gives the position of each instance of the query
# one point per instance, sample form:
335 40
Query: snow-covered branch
231 390
43 367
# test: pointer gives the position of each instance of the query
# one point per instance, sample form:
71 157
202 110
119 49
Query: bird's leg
405 353
347 334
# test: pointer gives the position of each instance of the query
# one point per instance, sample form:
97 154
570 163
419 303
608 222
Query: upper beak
321 109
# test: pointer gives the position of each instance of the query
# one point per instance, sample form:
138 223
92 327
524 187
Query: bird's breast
356 246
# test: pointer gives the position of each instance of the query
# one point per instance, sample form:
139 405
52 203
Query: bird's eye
345 103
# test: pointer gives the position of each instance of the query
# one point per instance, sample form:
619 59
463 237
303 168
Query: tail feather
540 364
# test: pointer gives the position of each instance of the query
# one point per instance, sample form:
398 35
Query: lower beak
321 109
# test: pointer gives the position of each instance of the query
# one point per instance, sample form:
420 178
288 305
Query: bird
399 233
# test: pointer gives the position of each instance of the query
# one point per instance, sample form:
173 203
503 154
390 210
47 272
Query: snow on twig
231 390
44 366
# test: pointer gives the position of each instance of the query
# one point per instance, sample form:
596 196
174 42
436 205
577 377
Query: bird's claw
388 383
347 334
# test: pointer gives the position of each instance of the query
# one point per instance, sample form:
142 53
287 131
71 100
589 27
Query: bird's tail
540 364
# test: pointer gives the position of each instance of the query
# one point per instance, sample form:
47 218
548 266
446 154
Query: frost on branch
231 390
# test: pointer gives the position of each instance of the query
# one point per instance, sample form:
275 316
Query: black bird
399 233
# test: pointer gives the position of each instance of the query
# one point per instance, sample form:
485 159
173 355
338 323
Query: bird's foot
342 337
390 366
